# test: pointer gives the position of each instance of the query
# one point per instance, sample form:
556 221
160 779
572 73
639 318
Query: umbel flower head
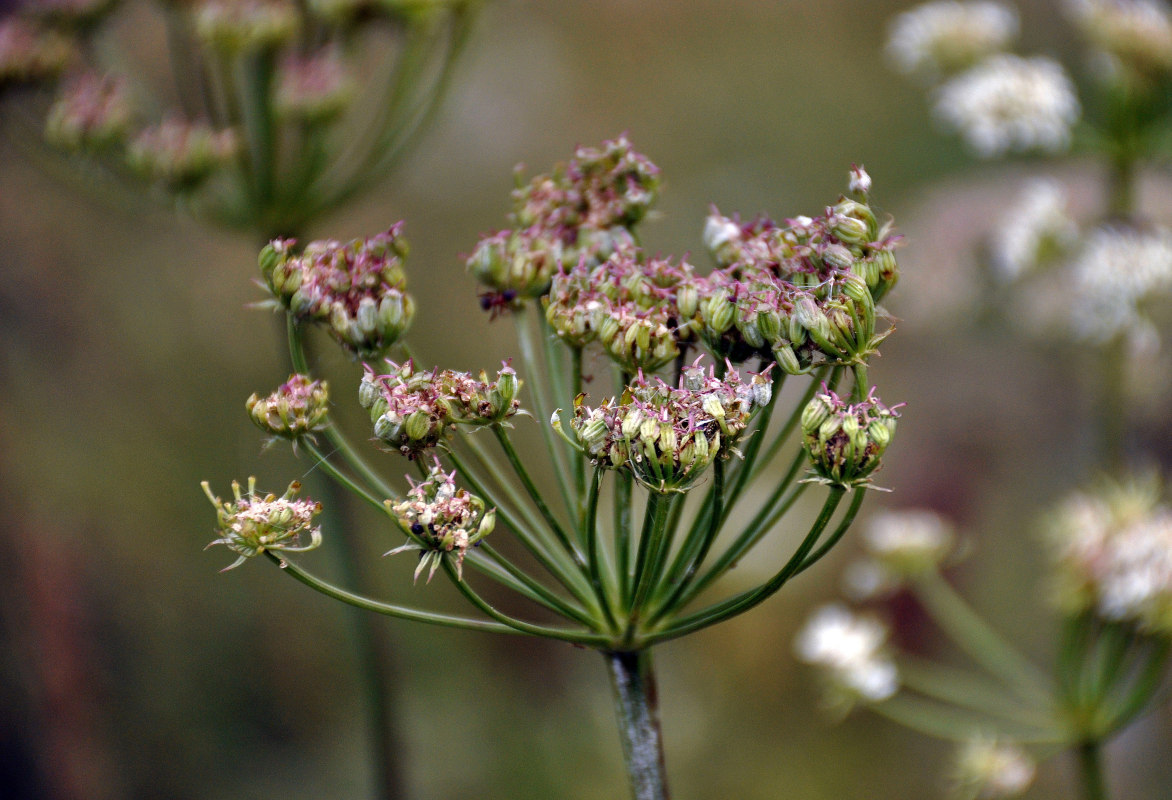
666 437
944 37
1112 554
581 212
846 441
1134 35
898 545
443 521
358 290
93 113
852 651
987 768
251 524
181 155
297 408
412 410
30 53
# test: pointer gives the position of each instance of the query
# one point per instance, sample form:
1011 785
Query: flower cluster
582 211
412 410
314 89
30 52
666 437
298 408
800 294
1112 551
987 768
898 545
92 113
251 524
442 520
1135 36
846 441
1035 229
852 649
943 37
181 155
358 290
998 102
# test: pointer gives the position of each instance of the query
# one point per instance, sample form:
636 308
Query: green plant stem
623 485
636 702
594 551
585 638
504 572
972 691
695 548
575 390
742 602
951 723
386 609
975 637
519 468
860 387
1090 770
652 544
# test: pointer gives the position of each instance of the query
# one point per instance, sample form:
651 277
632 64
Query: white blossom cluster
898 544
1136 34
1008 103
1038 225
852 651
1113 554
989 769
941 37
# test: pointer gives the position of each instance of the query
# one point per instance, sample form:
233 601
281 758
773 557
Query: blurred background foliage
130 668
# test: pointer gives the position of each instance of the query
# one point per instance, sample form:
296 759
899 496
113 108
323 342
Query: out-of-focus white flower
907 542
943 37
1136 34
1010 104
1113 553
852 650
1115 271
1036 227
987 769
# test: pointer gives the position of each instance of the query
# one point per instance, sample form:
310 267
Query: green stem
636 702
504 572
859 390
402 612
594 550
653 545
695 549
1090 770
975 637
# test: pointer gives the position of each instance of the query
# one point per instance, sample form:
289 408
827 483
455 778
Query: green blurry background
130 668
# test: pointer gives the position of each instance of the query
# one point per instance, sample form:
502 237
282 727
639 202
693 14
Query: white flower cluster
941 37
1010 104
852 650
1115 272
988 769
1037 226
898 544
1113 552
1132 33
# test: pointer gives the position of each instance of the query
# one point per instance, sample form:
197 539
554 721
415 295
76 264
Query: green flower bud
837 257
252 524
845 443
298 408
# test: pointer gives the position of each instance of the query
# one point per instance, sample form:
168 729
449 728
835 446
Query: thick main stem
1090 767
637 707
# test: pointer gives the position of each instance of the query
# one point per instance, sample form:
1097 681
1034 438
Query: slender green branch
494 565
694 550
653 547
951 723
980 641
594 550
824 548
403 612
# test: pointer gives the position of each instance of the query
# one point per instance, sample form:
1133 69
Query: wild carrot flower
1035 229
1112 551
987 768
852 651
846 442
443 521
251 524
181 155
298 408
666 437
357 290
908 542
92 113
1010 104
1135 35
943 37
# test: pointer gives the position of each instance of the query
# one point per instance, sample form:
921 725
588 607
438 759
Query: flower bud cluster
313 89
358 290
666 437
583 211
1134 35
181 155
412 410
30 52
846 442
1112 551
251 524
852 651
237 26
442 520
631 307
92 113
297 408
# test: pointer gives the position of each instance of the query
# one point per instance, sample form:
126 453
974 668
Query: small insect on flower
251 524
